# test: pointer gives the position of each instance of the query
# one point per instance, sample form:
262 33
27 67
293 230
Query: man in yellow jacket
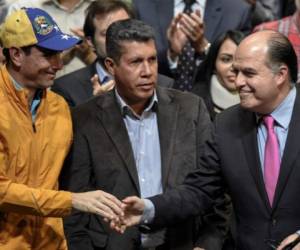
35 136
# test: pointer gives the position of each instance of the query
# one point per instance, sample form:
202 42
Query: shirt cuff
172 63
149 212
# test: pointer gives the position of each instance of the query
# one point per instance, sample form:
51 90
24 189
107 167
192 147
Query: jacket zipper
33 127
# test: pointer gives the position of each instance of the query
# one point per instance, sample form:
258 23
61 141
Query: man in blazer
137 139
219 16
234 158
83 84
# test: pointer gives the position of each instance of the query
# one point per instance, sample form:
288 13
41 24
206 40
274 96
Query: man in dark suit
137 139
219 16
83 84
264 186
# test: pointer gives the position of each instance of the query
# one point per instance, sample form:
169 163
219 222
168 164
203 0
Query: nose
56 61
239 80
146 69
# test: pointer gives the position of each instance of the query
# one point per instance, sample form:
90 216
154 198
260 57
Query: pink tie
272 158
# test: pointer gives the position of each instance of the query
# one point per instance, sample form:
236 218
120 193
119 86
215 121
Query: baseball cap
33 26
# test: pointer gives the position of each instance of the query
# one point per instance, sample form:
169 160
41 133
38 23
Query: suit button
274 222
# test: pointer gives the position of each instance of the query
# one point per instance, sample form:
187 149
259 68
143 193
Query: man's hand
99 89
176 37
198 248
193 27
133 210
288 240
100 203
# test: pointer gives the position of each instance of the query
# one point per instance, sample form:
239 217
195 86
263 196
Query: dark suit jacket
231 161
76 87
219 16
202 89
102 158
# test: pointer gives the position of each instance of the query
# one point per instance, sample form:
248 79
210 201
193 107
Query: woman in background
215 79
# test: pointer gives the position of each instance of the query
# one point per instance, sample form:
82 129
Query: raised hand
176 37
193 27
98 88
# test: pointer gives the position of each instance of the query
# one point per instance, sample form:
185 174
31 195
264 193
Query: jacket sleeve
202 189
20 198
212 226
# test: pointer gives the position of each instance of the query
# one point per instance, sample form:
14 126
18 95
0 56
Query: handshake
119 214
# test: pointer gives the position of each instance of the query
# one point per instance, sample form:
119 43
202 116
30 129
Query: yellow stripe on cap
17 31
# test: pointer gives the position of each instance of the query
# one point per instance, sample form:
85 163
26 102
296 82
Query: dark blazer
231 162
102 158
76 87
219 16
202 89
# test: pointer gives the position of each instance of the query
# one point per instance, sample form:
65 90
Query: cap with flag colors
33 26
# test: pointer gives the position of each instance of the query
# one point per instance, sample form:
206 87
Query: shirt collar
177 2
38 94
283 113
104 76
126 110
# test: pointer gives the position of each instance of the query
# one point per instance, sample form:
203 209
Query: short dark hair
207 67
130 30
281 51
103 7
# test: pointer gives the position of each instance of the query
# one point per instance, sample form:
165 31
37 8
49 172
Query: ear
282 76
16 56
110 65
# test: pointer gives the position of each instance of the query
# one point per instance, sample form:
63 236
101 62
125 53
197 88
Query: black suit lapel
167 124
112 121
249 139
291 151
86 83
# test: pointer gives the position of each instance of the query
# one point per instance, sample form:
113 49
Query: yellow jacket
30 163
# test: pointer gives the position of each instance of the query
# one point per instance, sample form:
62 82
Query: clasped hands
129 213
185 28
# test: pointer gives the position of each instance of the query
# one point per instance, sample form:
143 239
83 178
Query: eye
136 61
226 59
153 59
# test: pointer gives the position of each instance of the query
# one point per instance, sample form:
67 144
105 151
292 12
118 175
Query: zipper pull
33 127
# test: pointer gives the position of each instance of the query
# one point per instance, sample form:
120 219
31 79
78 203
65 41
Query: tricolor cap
33 26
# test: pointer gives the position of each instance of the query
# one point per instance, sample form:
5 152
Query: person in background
215 79
69 14
265 10
36 134
81 85
138 139
288 26
196 22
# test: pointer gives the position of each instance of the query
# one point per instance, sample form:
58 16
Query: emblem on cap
42 25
